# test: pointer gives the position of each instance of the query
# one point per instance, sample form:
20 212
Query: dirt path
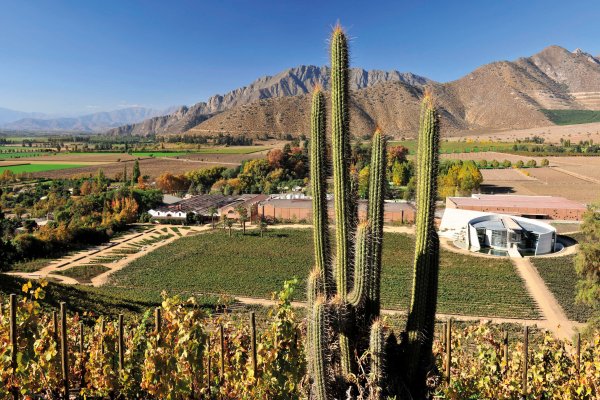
300 304
555 318
576 175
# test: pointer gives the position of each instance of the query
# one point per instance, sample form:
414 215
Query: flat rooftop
517 201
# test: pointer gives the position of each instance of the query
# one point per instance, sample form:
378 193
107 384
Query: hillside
497 96
289 83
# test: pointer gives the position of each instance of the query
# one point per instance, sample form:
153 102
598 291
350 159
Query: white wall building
498 234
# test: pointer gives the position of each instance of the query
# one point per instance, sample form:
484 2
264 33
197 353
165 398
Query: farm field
571 117
448 147
148 166
551 133
87 157
8 156
37 168
214 263
548 182
506 174
561 278
231 150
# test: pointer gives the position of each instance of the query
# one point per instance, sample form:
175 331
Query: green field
84 273
571 117
214 263
458 147
5 156
230 150
561 278
29 168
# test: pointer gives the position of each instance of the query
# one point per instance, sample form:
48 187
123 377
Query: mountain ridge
500 95
290 82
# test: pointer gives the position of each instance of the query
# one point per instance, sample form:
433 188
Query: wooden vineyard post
157 323
448 350
443 335
82 354
253 338
121 344
64 349
208 365
55 327
13 339
525 360
102 328
222 338
505 344
578 353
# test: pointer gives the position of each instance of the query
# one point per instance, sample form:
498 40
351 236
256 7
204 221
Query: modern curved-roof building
499 234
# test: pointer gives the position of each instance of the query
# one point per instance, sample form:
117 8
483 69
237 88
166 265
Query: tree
227 222
262 225
587 262
396 154
520 164
276 158
363 182
136 174
545 162
212 211
243 217
531 164
169 183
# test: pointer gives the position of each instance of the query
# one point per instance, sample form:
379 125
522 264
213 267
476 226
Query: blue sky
86 56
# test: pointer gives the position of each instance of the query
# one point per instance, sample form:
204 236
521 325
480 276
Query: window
499 239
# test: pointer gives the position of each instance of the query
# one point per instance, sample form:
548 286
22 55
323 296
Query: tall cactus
319 190
421 318
344 291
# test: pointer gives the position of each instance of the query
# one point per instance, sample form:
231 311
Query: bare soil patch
551 134
549 182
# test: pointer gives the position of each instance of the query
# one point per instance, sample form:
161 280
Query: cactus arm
317 340
361 266
340 144
421 318
319 191
377 184
377 351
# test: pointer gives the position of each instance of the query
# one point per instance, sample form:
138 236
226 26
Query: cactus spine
421 318
344 291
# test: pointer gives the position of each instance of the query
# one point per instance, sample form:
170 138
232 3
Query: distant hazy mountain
291 82
96 122
7 115
500 95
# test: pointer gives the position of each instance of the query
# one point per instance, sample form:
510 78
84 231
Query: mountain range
497 96
92 123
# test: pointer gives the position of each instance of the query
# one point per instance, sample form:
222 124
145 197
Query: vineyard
179 351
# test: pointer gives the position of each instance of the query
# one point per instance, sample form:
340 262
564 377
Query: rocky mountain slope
291 82
96 122
496 96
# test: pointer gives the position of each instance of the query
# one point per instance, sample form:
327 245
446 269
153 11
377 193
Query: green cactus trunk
377 186
340 145
319 192
421 318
